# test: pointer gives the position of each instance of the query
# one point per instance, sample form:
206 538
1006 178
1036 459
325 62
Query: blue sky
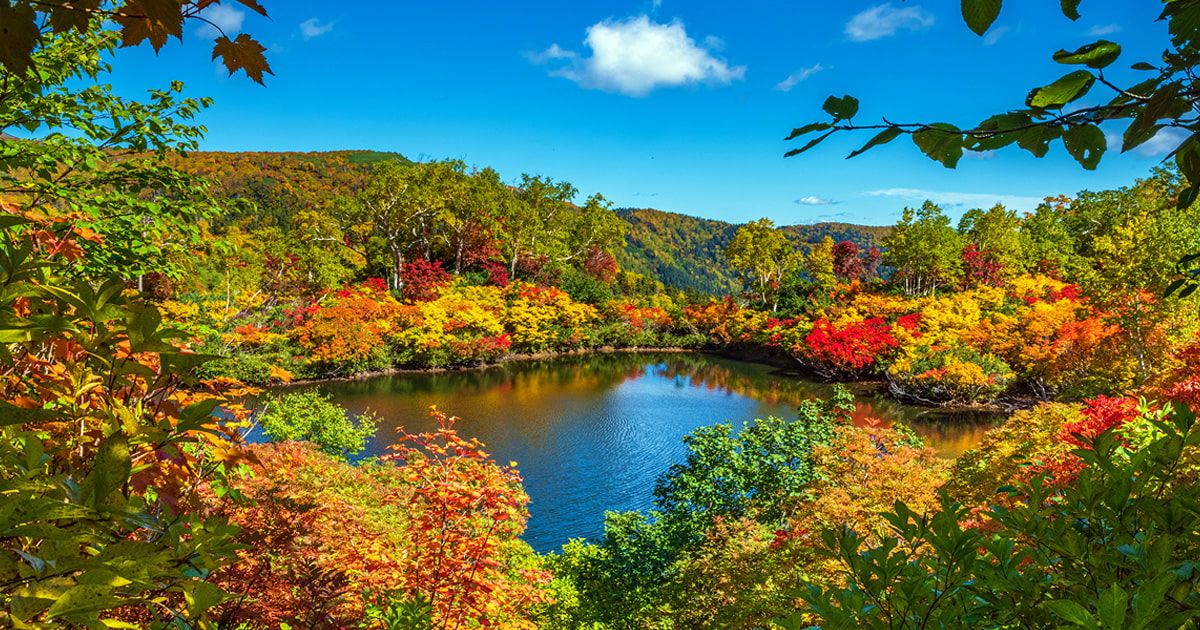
675 105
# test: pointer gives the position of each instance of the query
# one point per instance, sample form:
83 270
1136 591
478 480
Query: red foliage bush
849 351
423 279
981 266
847 262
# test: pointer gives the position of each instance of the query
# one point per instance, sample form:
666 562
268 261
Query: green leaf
1187 197
1112 606
84 598
110 472
843 108
1142 65
942 142
806 129
1096 55
1086 144
1072 612
203 596
980 14
811 143
883 137
1070 8
11 414
1066 89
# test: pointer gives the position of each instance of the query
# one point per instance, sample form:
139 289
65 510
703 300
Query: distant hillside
282 183
687 252
681 251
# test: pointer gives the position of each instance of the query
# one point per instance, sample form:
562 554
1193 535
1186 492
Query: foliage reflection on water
592 433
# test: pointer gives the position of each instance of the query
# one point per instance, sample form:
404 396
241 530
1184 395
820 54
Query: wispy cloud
885 20
813 200
958 199
221 19
636 56
1101 30
1163 142
790 82
313 27
994 35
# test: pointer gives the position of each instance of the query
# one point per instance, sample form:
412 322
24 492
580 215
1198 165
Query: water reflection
592 433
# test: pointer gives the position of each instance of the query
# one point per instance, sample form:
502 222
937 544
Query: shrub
310 416
1115 549
953 375
849 351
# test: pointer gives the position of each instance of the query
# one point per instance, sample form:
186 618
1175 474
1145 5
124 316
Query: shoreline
873 386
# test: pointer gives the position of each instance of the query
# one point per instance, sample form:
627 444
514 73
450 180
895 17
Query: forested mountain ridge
687 252
681 251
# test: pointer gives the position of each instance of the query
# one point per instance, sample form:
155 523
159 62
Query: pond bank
763 356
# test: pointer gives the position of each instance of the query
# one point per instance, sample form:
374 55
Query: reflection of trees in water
532 384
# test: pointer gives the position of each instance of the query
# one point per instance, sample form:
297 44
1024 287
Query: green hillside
686 252
682 251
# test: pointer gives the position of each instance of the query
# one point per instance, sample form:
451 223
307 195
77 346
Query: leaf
243 53
1112 607
811 143
942 142
1096 55
110 471
883 137
1086 144
1142 65
84 598
979 14
1072 612
76 16
203 596
1070 8
18 36
1187 197
806 129
254 6
1066 89
153 20
843 108
12 414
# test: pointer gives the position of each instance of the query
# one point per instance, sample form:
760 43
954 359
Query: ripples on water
591 434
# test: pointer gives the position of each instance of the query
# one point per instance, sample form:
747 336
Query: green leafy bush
1117 548
310 416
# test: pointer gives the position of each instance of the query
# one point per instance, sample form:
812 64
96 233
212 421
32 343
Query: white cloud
958 199
884 20
798 76
994 35
313 27
635 56
223 19
1101 30
1165 141
813 200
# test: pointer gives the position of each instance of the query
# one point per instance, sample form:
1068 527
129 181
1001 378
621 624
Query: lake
592 433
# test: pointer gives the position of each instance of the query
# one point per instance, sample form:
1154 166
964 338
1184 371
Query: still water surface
593 433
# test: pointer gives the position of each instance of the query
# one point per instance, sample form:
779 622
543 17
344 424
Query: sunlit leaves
1066 89
1098 55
